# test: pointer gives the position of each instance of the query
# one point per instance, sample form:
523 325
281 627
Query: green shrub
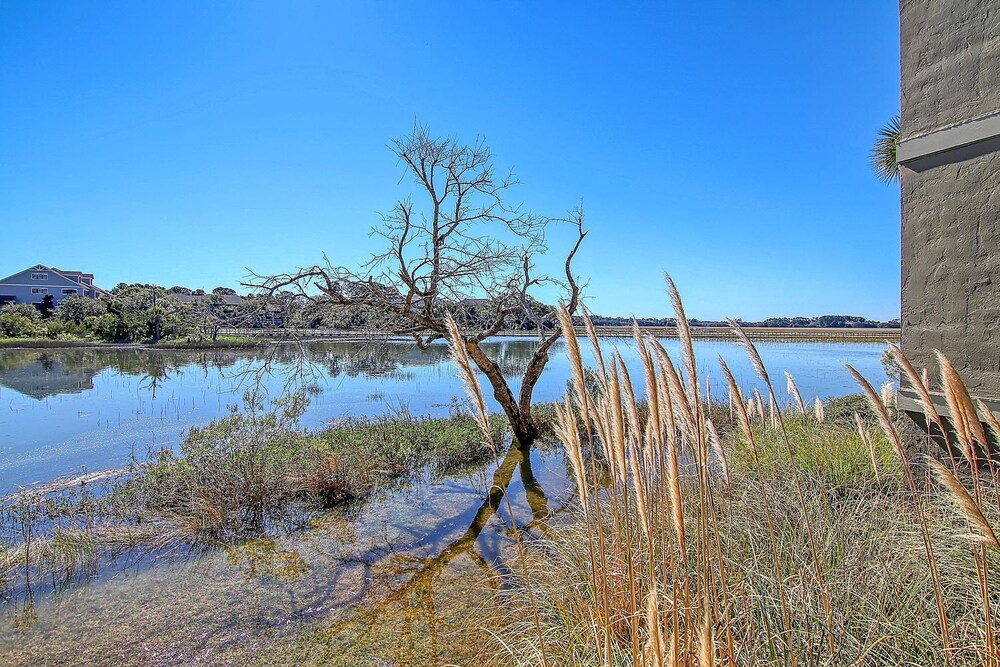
24 309
78 309
840 411
16 325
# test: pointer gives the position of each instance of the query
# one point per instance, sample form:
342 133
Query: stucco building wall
950 178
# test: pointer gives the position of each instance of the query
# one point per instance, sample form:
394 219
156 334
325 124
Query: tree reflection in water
401 593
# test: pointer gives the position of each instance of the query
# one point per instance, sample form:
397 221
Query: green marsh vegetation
253 473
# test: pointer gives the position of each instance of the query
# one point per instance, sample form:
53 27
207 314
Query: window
39 276
39 290
70 291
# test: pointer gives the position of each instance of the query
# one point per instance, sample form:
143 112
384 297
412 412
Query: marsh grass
249 476
779 536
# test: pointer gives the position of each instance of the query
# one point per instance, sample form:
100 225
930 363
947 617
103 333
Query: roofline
59 273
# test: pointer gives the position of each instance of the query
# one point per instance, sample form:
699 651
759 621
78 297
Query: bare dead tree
467 240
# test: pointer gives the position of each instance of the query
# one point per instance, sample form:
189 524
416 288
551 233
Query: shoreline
777 334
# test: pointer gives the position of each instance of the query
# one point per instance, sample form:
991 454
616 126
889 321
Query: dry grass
786 539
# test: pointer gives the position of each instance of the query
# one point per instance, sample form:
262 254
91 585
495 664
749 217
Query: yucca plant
883 157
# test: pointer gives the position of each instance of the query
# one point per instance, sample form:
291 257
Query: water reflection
78 410
393 578
43 374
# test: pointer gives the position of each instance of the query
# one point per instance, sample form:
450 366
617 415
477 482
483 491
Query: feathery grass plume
888 393
793 391
569 434
716 443
920 384
592 334
471 383
991 420
649 375
655 649
875 401
674 496
575 361
601 416
687 345
736 399
758 402
617 414
964 502
639 487
819 410
772 408
750 348
866 438
631 405
963 411
680 397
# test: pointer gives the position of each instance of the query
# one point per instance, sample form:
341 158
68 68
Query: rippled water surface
70 411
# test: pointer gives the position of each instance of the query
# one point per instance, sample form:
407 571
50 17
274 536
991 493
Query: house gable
33 278
32 285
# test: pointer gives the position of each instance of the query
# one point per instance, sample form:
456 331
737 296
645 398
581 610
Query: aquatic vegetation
249 475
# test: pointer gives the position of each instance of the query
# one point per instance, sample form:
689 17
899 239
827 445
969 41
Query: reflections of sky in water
374 566
67 411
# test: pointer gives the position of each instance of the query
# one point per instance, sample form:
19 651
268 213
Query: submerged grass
253 473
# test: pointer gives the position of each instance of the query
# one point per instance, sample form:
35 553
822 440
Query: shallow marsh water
66 412
403 578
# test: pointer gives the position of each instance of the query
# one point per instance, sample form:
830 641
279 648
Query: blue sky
725 142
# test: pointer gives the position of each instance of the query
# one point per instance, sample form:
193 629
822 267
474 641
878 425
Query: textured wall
951 268
951 202
950 60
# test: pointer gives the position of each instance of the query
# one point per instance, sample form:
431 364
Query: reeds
470 382
703 542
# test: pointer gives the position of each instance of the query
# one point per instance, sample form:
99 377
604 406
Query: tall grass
773 538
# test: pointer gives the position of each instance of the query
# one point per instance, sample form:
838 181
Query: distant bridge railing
711 333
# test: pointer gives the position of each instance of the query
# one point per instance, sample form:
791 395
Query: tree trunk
518 414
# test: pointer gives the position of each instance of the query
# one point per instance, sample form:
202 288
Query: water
65 412
403 578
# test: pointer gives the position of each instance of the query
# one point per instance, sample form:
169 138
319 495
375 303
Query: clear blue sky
725 142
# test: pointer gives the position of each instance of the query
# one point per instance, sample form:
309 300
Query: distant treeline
821 322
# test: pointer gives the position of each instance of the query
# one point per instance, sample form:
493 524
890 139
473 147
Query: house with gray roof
34 284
